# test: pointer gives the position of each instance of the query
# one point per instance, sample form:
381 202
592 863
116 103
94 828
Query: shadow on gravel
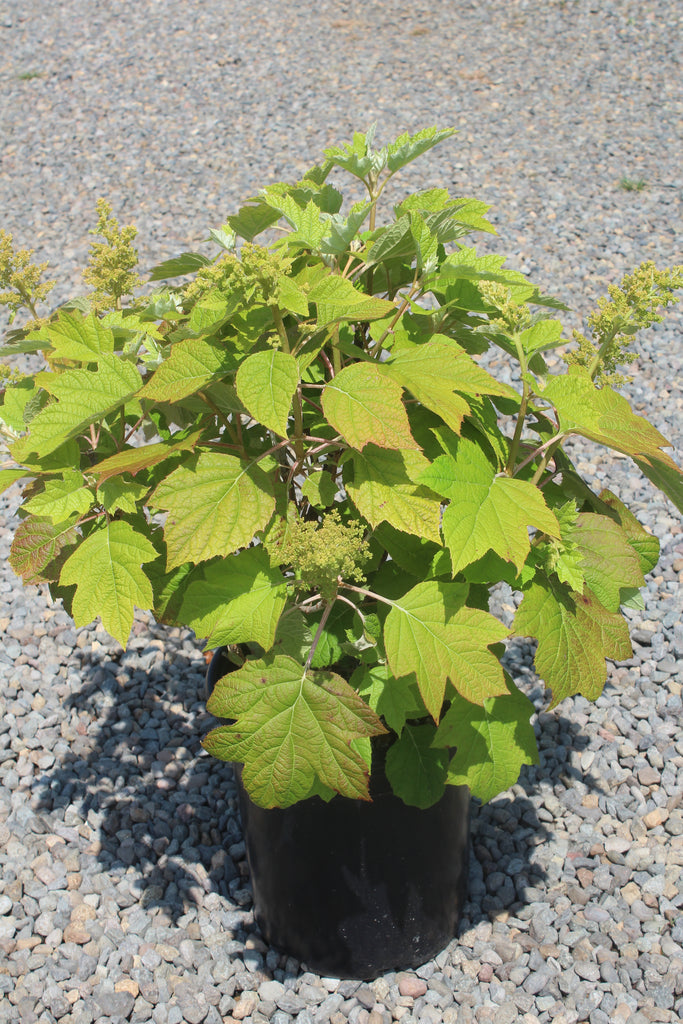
150 801
153 805
506 872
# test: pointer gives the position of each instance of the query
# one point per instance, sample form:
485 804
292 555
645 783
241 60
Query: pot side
355 888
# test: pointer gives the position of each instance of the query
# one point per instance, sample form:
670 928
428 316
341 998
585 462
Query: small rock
245 1005
410 985
654 818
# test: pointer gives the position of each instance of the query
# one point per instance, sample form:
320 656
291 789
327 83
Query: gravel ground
124 894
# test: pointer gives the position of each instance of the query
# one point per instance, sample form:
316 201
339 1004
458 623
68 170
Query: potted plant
301 454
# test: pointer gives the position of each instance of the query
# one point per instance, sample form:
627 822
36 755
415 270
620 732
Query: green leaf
191 364
415 769
252 220
291 297
132 460
266 383
64 457
492 742
430 631
383 489
309 226
665 474
10 476
417 556
186 263
291 729
438 373
293 636
564 556
337 299
394 699
365 407
319 489
393 242
609 562
106 568
342 230
544 334
239 599
215 507
168 587
646 545
575 634
407 147
37 543
356 157
74 336
486 512
82 398
122 495
602 415
19 396
62 498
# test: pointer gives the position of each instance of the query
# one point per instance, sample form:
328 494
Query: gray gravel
124 894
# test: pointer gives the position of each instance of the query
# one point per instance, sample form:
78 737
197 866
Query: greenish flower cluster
322 554
255 274
111 270
513 317
10 376
20 280
632 306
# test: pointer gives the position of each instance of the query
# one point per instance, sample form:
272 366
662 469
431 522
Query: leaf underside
291 731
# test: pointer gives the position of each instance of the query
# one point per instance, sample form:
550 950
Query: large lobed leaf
74 336
415 768
486 511
292 731
431 633
106 568
337 299
191 364
492 741
438 373
82 397
609 562
133 460
365 406
214 507
575 634
382 485
265 383
36 546
62 498
601 414
236 600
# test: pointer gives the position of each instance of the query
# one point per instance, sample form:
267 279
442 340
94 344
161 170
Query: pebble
124 893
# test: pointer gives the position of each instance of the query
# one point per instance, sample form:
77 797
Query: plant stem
329 366
318 634
354 606
546 459
281 330
414 290
314 404
538 451
368 593
519 427
217 412
134 428
336 354
298 424
601 353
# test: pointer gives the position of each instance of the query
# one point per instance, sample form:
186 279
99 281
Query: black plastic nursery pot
355 888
